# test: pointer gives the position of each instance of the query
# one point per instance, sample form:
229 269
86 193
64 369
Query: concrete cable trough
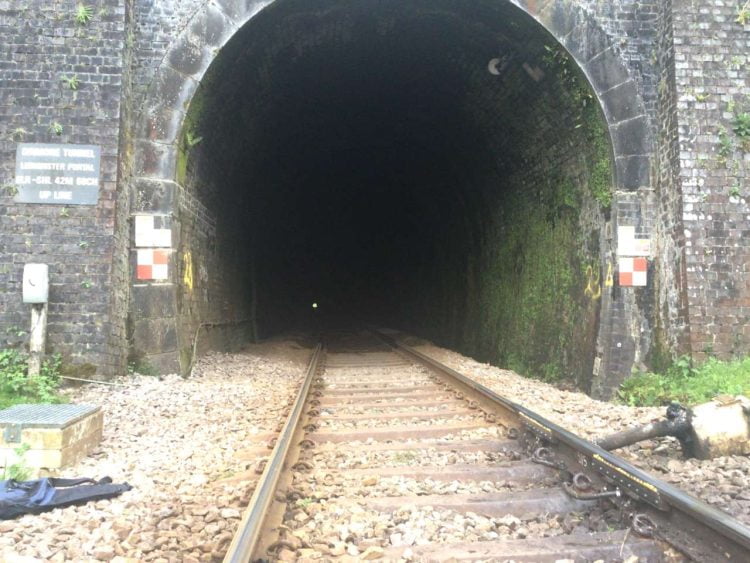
375 416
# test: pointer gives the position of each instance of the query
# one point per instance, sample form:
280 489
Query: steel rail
717 520
246 539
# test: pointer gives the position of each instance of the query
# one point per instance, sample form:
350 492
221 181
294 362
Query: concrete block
154 336
633 172
721 427
155 160
153 301
606 70
621 102
630 138
57 435
153 196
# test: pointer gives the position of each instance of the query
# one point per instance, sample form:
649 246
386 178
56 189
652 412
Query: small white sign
57 174
628 245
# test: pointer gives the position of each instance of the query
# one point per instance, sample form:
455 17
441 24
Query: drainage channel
388 454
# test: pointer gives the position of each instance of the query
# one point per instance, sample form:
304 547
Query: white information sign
57 174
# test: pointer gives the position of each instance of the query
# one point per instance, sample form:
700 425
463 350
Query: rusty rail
653 508
254 522
705 533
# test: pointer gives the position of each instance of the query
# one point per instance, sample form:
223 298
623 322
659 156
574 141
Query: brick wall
689 64
671 335
41 46
603 36
712 58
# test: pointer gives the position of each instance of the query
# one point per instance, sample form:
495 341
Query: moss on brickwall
599 156
507 209
192 126
539 292
528 297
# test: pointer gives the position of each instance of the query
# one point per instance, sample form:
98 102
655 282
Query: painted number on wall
187 268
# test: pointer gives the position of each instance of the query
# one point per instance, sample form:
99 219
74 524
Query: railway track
389 455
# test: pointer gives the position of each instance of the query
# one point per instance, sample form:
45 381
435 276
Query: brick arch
212 26
177 78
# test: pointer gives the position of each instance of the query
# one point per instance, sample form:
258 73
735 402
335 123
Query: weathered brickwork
671 331
635 24
627 312
41 46
712 76
614 67
671 77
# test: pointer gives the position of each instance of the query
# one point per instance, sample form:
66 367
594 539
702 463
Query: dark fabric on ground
40 495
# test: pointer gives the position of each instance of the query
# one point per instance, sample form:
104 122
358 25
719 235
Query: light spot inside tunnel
369 156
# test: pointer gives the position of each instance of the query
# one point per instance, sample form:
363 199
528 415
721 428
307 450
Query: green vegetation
141 366
10 189
192 139
688 384
72 81
741 128
17 387
18 134
56 128
18 471
546 307
83 14
743 13
600 162
726 146
404 457
304 502
541 293
589 119
530 293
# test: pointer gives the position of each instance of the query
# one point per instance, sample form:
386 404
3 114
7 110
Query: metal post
37 337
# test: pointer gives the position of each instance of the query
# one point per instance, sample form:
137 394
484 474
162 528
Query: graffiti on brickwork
609 281
187 271
593 282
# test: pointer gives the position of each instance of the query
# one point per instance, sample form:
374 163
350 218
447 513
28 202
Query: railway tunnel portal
448 168
559 187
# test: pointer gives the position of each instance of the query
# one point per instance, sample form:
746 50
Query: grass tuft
16 387
687 384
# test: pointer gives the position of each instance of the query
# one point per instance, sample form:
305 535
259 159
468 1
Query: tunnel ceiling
309 82
352 151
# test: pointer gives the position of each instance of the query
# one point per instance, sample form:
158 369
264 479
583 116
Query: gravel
321 485
331 513
175 441
409 458
179 443
721 482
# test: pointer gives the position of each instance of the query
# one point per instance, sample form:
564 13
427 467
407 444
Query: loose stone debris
362 493
175 440
721 482
190 447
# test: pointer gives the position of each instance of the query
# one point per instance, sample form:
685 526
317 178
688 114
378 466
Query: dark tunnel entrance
436 166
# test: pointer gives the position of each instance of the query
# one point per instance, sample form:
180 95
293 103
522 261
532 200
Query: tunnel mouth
439 167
